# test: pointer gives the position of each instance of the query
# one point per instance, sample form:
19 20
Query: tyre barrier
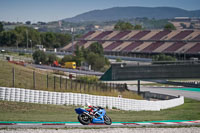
58 98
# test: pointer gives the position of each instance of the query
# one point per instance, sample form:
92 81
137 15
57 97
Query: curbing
45 97
169 122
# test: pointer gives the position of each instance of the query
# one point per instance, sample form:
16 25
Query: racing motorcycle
95 115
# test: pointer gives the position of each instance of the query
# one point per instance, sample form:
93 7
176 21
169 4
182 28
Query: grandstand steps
163 47
194 49
142 46
111 35
148 36
185 47
128 36
90 37
131 46
174 47
191 36
152 47
170 35
143 41
122 46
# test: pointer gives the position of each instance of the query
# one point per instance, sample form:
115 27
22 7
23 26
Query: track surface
5 124
186 92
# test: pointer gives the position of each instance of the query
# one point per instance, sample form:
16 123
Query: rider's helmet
88 104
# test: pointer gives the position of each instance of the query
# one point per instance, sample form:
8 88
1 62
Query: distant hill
117 13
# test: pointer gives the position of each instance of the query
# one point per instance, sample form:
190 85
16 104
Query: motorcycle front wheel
107 120
84 119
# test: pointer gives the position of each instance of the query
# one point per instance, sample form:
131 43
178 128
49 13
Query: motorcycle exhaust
88 114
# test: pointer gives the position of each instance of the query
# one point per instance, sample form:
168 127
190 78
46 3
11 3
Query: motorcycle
98 117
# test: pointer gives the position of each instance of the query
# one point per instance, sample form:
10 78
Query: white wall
45 97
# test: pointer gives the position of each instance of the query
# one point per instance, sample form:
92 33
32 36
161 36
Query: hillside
117 13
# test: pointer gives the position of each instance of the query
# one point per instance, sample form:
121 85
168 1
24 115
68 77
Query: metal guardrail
68 70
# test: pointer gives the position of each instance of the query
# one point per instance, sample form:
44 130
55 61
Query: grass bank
15 111
24 79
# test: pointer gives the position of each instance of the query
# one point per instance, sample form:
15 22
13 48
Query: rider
90 108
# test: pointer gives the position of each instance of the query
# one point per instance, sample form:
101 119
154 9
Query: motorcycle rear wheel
107 120
84 119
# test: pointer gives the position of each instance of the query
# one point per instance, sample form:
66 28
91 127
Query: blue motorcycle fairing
99 119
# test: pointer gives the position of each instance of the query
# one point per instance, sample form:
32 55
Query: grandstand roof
143 41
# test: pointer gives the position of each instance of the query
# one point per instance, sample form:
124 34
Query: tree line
122 26
21 35
93 55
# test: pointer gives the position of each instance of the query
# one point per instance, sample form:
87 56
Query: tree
184 26
8 38
79 58
137 27
48 39
169 26
1 27
123 26
67 58
39 57
62 39
118 60
51 58
28 22
22 33
91 59
96 48
163 57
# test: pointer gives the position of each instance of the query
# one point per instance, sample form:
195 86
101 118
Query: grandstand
143 42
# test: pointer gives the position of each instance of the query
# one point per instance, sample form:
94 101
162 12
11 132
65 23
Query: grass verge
15 111
24 79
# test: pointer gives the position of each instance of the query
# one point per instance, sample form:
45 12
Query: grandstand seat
139 35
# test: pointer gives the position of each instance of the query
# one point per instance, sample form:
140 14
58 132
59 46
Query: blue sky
50 10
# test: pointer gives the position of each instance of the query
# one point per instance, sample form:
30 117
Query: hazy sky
50 10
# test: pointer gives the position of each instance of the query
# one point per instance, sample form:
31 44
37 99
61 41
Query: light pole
72 32
31 47
27 39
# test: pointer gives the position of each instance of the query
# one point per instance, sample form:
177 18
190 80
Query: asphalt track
193 93
171 123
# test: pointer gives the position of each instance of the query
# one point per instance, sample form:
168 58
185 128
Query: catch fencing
25 77
46 97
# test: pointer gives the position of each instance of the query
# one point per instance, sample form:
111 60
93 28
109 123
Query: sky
52 10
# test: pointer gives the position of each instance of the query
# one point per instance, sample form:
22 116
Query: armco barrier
45 97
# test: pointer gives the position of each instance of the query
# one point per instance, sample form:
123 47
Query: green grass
14 111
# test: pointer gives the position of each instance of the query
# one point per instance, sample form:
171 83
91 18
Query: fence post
88 86
71 85
96 86
80 86
54 81
66 84
84 86
106 86
110 87
76 85
13 76
60 82
47 81
138 87
34 81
